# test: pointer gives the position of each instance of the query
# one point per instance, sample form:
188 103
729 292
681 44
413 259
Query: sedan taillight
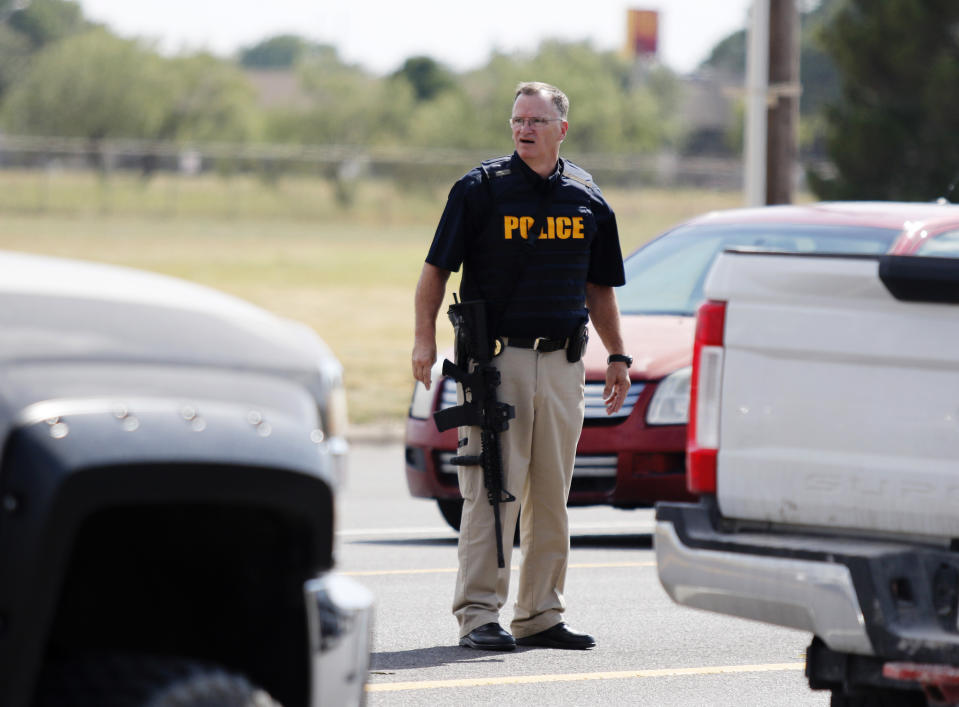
702 433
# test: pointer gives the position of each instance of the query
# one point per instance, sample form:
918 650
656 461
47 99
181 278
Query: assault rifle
481 407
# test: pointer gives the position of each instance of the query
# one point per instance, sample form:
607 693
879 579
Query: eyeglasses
534 123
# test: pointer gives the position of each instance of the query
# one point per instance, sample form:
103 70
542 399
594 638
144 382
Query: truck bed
840 402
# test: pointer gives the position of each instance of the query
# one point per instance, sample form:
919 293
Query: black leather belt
537 343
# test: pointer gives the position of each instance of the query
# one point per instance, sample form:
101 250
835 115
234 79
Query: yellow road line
597 565
573 677
375 573
441 570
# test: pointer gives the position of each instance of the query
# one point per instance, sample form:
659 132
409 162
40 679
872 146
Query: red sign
642 32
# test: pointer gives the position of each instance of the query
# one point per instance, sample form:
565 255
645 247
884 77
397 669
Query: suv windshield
667 275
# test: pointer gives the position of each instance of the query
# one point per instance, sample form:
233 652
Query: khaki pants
538 450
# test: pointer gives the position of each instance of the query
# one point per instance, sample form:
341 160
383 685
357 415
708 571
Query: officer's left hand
617 385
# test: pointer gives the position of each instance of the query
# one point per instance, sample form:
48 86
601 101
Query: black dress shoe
559 636
489 637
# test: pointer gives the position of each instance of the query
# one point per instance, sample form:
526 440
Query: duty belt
537 343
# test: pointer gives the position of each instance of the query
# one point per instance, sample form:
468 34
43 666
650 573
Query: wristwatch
620 358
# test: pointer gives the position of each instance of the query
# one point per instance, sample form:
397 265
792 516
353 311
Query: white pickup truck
824 444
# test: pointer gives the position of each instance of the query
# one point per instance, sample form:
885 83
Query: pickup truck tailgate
843 407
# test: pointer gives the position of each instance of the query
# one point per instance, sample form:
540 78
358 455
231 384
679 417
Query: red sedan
637 457
937 237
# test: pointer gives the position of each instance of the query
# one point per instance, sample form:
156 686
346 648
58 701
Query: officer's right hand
424 355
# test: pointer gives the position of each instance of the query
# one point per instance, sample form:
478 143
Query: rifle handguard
467 460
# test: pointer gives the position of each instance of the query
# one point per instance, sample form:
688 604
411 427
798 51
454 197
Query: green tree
728 57
211 100
15 51
817 73
46 21
615 106
26 27
7 7
891 134
450 121
349 106
91 85
428 77
283 51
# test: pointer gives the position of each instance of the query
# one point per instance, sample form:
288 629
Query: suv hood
74 310
89 328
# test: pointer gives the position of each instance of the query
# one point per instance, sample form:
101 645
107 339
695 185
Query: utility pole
782 142
772 102
757 77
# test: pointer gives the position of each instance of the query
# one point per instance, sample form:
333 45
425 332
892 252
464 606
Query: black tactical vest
542 293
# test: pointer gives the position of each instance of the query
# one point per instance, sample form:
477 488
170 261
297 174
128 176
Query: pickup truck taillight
702 433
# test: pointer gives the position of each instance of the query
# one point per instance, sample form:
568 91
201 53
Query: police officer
539 288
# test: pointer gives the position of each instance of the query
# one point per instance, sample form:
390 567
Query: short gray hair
531 88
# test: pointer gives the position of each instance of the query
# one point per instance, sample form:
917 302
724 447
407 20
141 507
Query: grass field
349 272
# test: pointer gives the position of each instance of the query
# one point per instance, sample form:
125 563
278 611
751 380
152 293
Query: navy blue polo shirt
486 227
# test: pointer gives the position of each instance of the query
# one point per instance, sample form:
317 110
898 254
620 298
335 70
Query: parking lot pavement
650 651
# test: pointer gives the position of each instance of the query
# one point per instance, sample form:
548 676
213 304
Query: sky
380 34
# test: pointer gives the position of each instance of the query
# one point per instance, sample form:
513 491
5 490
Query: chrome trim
340 617
596 407
818 597
338 449
599 466
593 396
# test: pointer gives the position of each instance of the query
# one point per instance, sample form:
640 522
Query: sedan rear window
666 276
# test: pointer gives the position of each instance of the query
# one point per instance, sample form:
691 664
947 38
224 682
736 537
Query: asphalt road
649 650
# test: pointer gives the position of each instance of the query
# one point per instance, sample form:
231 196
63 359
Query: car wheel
452 511
145 681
